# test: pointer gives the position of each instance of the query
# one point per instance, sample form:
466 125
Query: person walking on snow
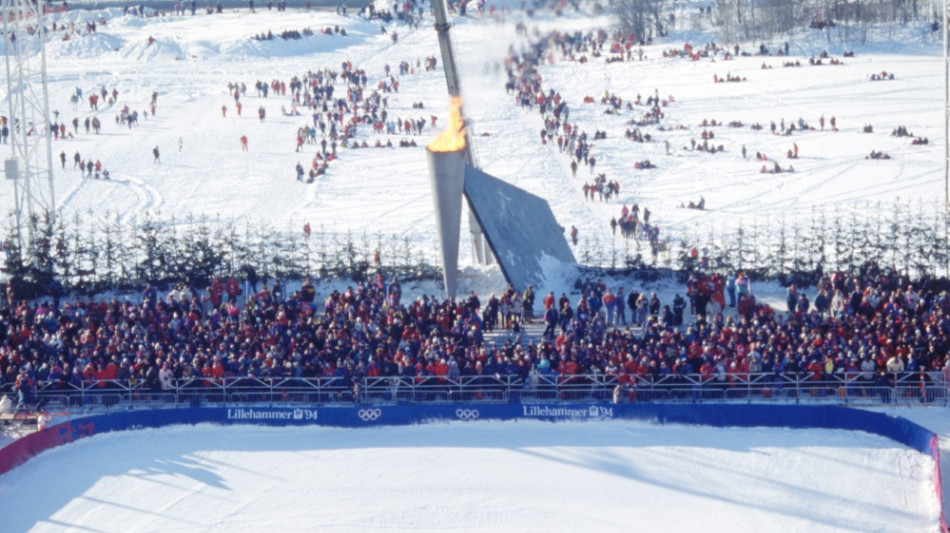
244 142
156 154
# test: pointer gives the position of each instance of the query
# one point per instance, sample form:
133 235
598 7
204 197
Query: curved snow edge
898 429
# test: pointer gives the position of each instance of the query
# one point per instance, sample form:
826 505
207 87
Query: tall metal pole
442 28
946 101
28 119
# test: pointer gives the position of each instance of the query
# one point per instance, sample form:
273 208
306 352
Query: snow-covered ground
385 191
482 476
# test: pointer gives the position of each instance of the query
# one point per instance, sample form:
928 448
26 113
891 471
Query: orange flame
453 138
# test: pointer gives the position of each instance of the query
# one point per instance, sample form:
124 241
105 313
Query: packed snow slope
385 190
483 476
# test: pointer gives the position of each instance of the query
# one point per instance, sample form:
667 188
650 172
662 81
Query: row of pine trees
89 254
912 238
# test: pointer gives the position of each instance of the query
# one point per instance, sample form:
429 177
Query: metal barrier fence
849 389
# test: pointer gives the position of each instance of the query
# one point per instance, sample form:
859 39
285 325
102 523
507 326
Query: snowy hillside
384 191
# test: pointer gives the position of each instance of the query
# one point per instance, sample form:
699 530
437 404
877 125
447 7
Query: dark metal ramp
519 226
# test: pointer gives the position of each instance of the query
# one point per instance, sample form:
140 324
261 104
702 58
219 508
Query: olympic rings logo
368 415
467 414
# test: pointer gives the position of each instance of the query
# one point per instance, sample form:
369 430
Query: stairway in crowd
528 332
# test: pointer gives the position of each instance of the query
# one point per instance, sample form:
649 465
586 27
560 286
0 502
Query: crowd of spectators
527 86
873 326
869 327
335 115
335 102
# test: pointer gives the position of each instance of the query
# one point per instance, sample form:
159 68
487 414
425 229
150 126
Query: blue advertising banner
718 415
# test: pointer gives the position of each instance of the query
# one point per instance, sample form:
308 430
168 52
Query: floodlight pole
946 101
28 119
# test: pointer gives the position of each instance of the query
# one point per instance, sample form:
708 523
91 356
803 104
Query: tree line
913 238
90 254
758 20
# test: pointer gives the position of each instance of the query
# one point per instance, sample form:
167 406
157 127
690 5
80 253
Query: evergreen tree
303 255
88 251
379 250
841 246
75 242
741 249
263 256
318 253
917 243
228 243
668 253
111 271
780 252
755 256
713 251
871 236
152 256
203 258
63 263
124 237
818 241
732 248
406 256
323 255
176 263
14 264
892 244
641 18
799 266
40 268
287 251
246 254
858 238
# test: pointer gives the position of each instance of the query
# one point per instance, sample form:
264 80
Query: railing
848 389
